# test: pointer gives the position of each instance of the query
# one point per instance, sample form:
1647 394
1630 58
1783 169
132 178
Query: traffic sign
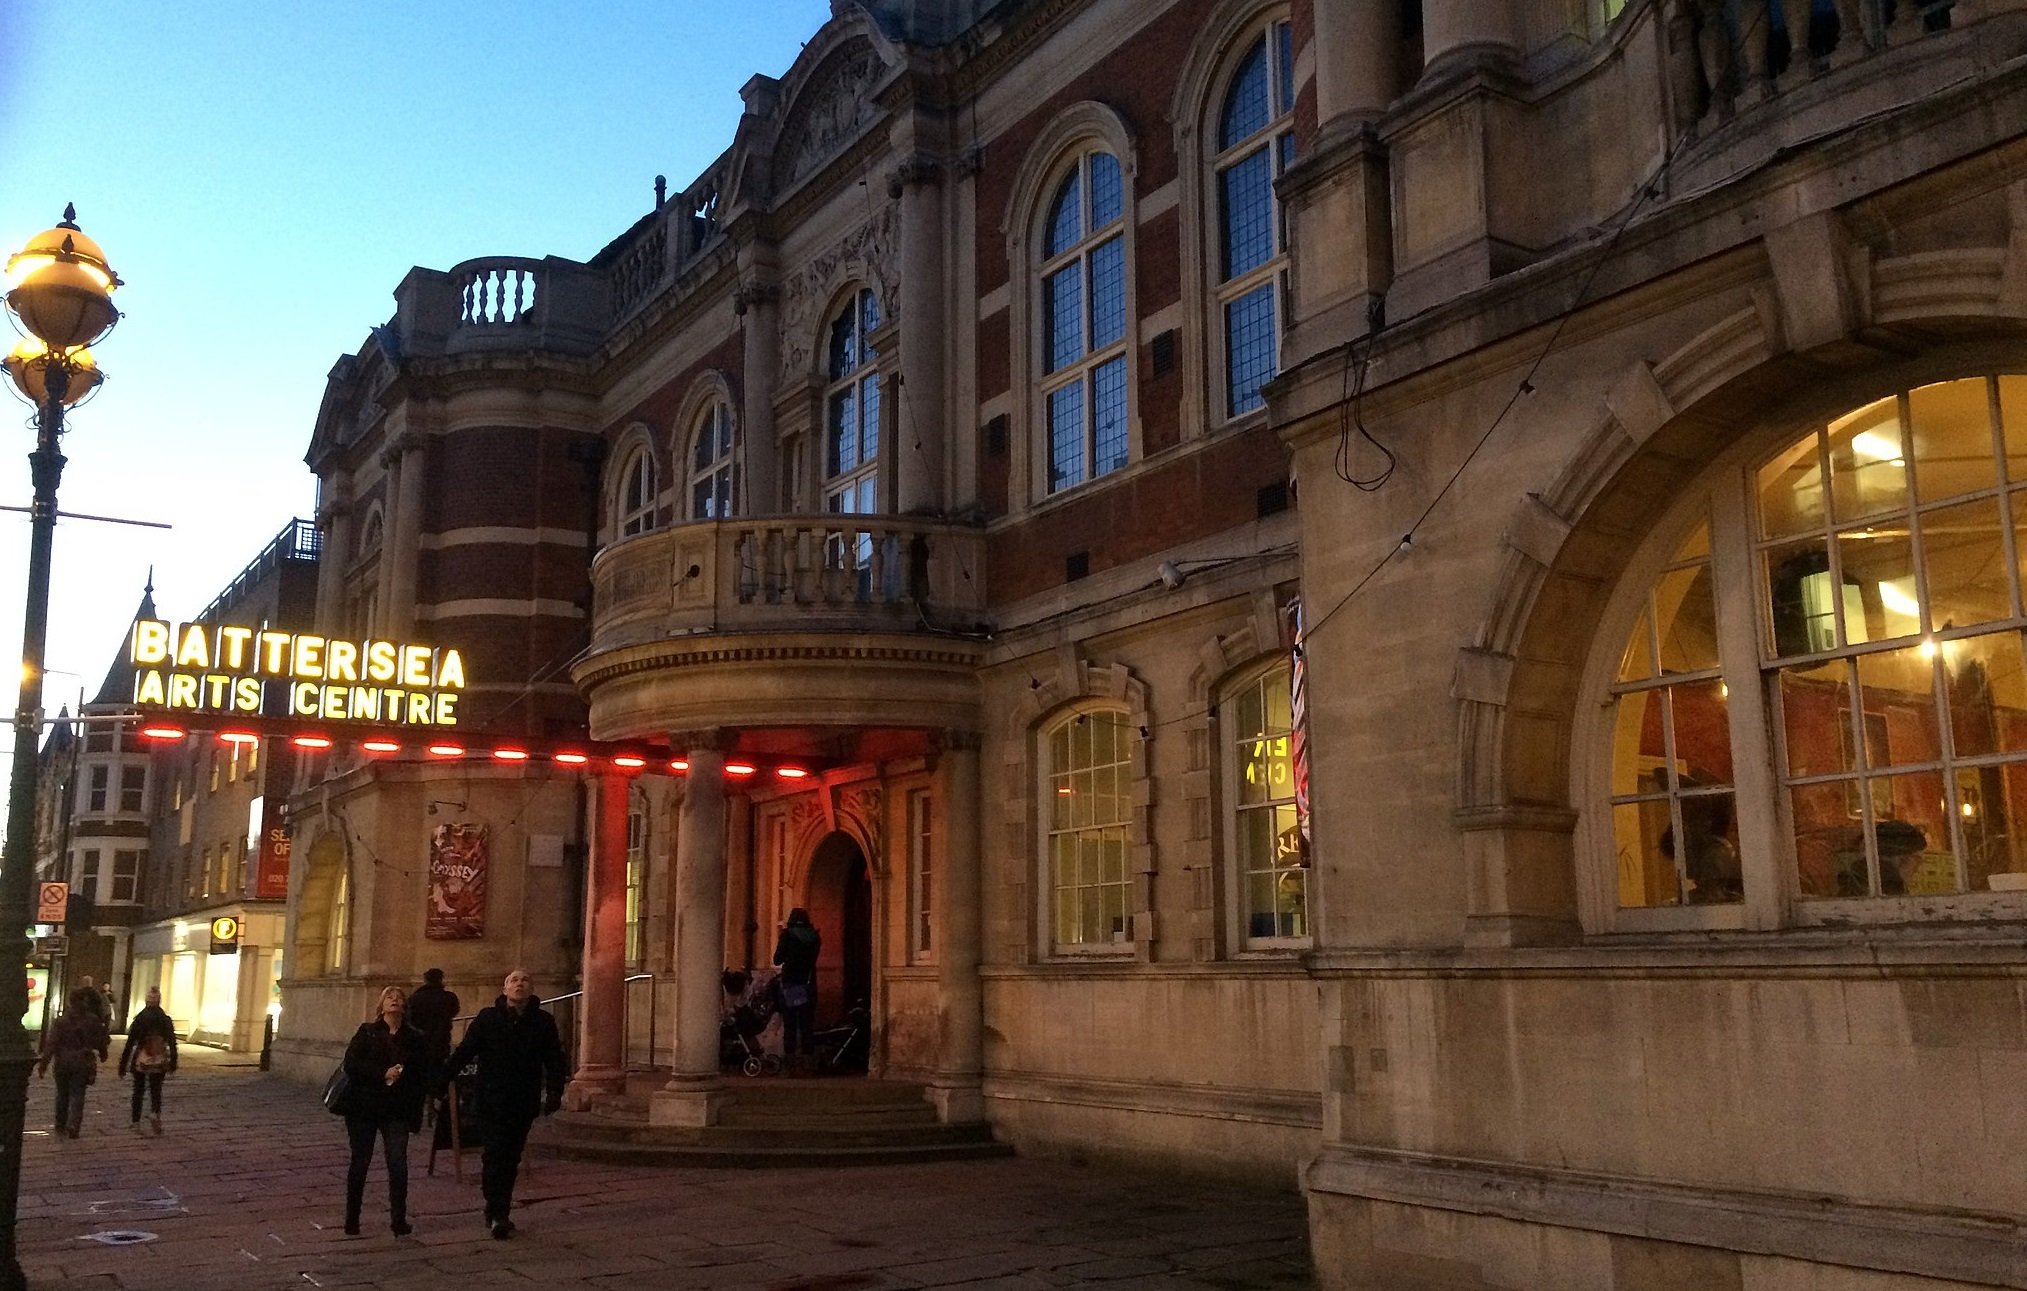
57 944
52 902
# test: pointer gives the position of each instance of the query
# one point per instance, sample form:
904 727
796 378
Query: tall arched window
1255 143
713 481
1848 614
1083 318
852 411
635 509
1270 861
1087 793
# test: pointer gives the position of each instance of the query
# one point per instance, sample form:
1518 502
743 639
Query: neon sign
207 668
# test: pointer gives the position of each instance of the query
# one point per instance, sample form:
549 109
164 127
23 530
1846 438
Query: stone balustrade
824 573
1746 49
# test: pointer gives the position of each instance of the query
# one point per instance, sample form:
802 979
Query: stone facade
941 446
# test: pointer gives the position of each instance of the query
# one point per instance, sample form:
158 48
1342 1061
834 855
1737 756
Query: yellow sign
52 902
208 668
225 928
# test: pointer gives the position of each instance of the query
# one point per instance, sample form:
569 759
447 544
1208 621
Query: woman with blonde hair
388 1066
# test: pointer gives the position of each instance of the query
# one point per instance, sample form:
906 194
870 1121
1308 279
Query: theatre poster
457 882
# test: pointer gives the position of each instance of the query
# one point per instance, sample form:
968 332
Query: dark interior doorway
839 898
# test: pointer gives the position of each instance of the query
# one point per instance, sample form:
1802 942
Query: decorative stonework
860 811
867 255
834 107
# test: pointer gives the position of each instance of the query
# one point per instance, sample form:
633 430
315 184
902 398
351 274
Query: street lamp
62 298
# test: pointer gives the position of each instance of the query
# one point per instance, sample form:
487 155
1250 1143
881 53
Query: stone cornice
710 651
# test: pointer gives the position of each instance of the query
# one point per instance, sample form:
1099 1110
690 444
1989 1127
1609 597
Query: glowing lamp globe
28 367
62 286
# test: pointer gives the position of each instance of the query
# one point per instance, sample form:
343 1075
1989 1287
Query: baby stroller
739 1046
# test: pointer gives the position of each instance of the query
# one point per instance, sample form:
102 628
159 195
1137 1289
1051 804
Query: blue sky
262 175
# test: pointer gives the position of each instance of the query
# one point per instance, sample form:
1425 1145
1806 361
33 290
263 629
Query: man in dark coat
431 1010
797 951
520 1075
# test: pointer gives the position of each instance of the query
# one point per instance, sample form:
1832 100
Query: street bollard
266 1041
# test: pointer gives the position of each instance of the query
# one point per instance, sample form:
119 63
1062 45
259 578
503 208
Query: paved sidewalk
244 1192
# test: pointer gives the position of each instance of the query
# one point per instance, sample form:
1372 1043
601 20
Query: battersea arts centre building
1420 600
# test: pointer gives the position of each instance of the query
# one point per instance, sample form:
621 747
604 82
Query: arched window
339 938
852 411
1083 321
1255 143
713 482
635 506
1848 614
1270 864
1086 789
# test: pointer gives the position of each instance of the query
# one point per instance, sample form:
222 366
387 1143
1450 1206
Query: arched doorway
839 897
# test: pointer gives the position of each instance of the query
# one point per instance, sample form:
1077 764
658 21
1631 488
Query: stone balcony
788 622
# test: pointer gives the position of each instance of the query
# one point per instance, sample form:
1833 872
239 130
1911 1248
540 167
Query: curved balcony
786 622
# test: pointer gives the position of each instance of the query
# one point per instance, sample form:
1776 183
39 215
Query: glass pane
1112 850
1284 69
1816 719
1991 800
1108 293
1913 835
1108 416
1256 840
1066 436
1897 688
1695 547
1249 348
1260 921
1710 866
1791 491
1701 713
1065 218
1950 426
844 440
1688 620
1639 753
1249 714
1637 664
1802 607
1986 686
1063 855
2013 419
869 419
1965 554
1063 316
1257 768
1246 206
843 352
869 320
1059 803
1280 703
1246 110
1868 475
1829 841
1879 575
1647 875
1105 190
1066 917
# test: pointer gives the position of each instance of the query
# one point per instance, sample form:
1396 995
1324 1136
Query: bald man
520 1075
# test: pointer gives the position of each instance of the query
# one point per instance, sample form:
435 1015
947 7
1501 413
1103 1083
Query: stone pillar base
688 1103
958 1100
589 1083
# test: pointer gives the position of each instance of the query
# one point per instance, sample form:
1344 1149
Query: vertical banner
457 882
271 860
1298 716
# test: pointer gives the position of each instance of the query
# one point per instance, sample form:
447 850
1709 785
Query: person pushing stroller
748 1036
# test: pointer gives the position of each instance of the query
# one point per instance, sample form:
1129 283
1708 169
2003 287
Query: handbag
794 994
338 1092
152 1059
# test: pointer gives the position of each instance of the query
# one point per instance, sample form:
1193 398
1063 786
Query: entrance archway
839 897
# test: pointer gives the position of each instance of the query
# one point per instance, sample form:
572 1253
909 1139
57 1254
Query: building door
839 898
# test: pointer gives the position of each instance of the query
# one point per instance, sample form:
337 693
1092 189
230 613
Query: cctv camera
1170 573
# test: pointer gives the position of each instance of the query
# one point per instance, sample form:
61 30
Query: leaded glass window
1255 143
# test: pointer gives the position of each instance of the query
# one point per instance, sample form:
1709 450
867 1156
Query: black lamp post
62 299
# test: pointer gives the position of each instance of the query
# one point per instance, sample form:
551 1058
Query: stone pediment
832 107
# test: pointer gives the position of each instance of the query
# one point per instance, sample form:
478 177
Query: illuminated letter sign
205 668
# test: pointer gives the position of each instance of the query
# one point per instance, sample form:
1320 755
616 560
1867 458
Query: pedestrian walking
796 951
74 1045
389 1069
520 1075
149 1054
432 1010
97 1003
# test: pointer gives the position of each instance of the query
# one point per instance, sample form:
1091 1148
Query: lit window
1885 558
1271 861
636 881
1255 143
921 875
712 474
340 925
1083 316
636 494
1088 791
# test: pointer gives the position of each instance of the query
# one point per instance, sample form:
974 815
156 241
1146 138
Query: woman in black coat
387 1064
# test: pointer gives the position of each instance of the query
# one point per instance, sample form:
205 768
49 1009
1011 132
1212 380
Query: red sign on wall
271 862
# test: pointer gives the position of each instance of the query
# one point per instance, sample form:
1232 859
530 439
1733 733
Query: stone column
1458 33
692 1094
958 928
917 453
334 523
404 539
601 1049
760 483
1358 51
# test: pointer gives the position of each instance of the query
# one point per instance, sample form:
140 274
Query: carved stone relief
834 106
865 253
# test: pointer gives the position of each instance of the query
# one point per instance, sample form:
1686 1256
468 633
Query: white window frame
631 515
127 866
1234 808
715 422
88 863
636 879
1277 138
1121 943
